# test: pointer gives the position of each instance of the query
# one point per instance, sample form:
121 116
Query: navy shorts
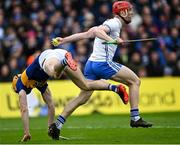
20 87
101 70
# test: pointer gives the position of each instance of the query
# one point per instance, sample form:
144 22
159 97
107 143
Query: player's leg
82 98
54 129
129 78
95 71
53 68
78 78
105 70
47 97
80 81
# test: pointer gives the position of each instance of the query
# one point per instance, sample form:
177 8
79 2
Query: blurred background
27 27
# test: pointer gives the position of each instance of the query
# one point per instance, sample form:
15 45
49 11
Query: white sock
135 118
60 121
59 125
135 114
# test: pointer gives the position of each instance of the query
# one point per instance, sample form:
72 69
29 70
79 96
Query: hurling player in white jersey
101 66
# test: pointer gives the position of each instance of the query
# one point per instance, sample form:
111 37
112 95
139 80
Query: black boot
140 123
54 132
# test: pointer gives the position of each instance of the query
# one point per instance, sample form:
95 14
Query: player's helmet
14 82
120 6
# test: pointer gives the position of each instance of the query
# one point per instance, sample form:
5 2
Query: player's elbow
98 31
91 33
23 109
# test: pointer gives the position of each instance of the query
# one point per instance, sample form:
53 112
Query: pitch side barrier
156 95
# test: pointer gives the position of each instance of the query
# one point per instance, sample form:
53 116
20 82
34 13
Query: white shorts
47 54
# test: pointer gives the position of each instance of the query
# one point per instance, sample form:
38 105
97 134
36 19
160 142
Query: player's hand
26 137
56 41
119 40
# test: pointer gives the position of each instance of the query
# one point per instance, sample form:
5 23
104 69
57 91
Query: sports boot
140 123
54 132
121 90
70 61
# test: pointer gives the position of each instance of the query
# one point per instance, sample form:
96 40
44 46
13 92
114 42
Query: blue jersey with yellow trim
33 76
35 72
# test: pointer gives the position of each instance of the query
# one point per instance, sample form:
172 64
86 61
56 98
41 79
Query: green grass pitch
98 129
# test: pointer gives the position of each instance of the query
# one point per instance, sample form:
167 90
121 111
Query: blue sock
112 87
60 121
135 114
64 62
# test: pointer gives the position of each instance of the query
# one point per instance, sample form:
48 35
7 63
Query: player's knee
136 81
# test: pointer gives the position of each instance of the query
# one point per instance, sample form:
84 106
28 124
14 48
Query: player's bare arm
100 32
24 115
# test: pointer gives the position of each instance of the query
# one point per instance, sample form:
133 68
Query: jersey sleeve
112 24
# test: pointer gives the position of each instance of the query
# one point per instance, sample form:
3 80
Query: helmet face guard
122 9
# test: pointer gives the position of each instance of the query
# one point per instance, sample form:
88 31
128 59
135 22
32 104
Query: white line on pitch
87 127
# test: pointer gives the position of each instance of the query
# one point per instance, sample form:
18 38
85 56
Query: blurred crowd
27 27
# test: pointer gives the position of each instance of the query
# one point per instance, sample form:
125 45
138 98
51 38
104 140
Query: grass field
98 129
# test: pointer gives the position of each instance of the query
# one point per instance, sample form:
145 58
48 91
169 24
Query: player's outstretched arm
24 115
75 37
100 32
